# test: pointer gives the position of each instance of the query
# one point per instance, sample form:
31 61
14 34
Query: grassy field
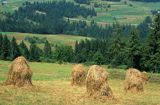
124 13
52 87
53 39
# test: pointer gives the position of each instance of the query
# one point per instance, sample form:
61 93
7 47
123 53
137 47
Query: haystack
96 82
19 73
78 75
145 77
135 80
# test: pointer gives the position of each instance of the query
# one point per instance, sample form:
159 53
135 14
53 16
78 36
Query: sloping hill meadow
52 87
53 39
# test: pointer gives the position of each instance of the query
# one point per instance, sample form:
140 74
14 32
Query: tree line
9 50
117 51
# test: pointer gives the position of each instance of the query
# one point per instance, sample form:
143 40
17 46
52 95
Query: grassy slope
125 13
54 39
52 87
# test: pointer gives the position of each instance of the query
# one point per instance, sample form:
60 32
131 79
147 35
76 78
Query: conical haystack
19 73
96 82
78 75
135 80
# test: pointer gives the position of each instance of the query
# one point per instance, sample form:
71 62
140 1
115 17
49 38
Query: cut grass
52 87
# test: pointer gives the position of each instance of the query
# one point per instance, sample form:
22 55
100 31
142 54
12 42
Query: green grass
125 13
122 13
52 87
54 39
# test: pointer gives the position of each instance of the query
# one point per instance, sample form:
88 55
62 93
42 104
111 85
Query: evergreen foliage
24 50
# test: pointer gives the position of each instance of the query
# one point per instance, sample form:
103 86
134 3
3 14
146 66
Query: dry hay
145 77
135 80
78 75
19 73
96 82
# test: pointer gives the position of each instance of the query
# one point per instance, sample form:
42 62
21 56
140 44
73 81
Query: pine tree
14 51
76 50
24 50
80 52
47 49
98 58
5 48
63 53
116 49
152 57
34 52
1 42
134 49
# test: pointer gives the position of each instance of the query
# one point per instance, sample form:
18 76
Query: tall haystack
19 73
97 82
135 80
78 75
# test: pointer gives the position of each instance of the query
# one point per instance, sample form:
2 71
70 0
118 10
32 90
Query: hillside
52 87
107 12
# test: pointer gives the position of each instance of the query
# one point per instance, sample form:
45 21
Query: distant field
52 87
123 13
54 39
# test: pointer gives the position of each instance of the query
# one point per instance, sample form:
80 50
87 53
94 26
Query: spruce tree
98 58
47 49
134 49
14 51
34 52
5 54
63 53
116 49
24 50
76 48
1 42
152 56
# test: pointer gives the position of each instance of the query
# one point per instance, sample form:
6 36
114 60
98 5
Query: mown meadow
52 87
